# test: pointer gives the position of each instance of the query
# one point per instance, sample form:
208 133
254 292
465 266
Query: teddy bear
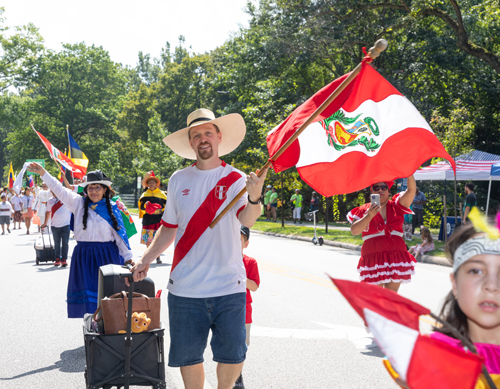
140 323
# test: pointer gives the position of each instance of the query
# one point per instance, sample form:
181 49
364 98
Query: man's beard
206 153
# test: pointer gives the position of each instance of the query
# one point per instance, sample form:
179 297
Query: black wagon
122 360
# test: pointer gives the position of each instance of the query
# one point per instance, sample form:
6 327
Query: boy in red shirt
253 282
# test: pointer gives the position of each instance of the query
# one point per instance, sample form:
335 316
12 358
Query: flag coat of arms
420 361
369 133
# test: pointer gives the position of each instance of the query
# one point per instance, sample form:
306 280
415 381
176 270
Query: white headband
475 246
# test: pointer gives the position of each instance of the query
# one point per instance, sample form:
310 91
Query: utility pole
135 190
282 202
326 213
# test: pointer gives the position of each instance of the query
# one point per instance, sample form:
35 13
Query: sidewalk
333 227
424 259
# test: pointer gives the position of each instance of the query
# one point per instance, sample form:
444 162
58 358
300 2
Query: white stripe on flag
396 340
19 179
392 115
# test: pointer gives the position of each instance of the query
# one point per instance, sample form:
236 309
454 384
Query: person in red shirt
253 282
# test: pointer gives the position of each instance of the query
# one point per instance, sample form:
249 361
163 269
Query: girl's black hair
110 210
107 194
451 311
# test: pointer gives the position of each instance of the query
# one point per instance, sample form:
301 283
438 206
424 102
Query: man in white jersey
207 285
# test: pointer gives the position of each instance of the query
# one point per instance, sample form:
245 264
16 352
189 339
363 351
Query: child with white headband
473 305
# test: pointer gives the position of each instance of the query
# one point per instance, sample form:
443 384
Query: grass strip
332 234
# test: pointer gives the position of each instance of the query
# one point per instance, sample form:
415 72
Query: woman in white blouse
27 204
99 232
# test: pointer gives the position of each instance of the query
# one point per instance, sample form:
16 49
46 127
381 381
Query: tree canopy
443 56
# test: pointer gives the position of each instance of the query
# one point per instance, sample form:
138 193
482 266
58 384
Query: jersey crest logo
220 192
185 192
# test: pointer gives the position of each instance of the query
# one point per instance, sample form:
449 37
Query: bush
433 212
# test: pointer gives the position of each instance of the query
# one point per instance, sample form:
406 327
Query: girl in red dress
385 259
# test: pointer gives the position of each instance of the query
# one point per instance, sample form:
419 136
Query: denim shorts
190 320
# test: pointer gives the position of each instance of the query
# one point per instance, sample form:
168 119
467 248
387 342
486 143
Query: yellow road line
284 269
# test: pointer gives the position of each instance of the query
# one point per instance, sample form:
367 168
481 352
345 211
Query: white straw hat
232 128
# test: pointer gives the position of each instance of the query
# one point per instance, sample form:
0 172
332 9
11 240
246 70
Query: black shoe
239 383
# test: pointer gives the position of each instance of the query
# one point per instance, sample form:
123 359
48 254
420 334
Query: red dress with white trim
384 256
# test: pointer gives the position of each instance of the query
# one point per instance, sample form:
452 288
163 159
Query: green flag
126 217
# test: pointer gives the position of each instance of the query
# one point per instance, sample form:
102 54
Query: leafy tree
138 108
472 24
155 155
456 131
81 87
20 46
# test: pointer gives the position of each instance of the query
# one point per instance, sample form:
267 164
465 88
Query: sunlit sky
125 27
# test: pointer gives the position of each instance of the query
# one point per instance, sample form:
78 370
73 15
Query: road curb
442 261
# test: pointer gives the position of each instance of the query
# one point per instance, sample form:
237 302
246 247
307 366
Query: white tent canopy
474 166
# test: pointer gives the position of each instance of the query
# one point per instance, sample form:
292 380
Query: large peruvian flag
420 361
66 162
370 133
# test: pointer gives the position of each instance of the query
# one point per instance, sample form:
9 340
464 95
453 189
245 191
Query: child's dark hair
107 195
245 232
451 312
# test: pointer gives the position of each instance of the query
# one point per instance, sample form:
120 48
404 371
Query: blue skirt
86 260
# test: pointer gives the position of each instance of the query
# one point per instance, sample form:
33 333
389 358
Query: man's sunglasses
383 188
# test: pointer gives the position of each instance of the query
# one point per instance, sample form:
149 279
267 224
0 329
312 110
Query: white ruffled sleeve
69 198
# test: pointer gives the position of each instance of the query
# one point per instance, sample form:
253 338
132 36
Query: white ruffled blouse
98 229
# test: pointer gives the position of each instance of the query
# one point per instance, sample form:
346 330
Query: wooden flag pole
374 52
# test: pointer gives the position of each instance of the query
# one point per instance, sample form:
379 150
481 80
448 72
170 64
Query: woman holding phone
385 259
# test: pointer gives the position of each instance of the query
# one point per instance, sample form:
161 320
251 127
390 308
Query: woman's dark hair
85 211
107 194
451 312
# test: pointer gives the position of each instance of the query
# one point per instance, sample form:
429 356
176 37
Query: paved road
304 335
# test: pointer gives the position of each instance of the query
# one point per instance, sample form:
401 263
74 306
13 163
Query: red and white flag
369 133
65 161
420 361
